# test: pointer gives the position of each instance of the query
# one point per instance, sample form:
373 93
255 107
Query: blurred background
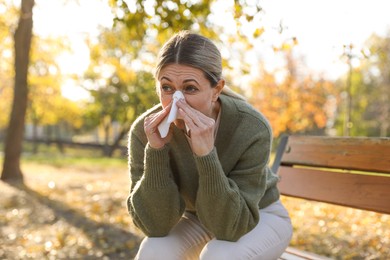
311 67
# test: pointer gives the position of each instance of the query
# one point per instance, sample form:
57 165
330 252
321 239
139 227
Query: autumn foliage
294 105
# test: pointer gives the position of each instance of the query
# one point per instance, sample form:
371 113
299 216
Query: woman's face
192 82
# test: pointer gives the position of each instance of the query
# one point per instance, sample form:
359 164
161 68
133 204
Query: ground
65 213
68 212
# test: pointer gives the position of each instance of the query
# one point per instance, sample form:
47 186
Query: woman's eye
166 88
190 89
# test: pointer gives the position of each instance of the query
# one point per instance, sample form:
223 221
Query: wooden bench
347 171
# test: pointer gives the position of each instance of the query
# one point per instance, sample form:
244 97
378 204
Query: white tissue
163 127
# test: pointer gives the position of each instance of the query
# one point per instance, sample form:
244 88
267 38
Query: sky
76 21
322 27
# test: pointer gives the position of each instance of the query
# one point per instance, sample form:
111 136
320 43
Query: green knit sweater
225 188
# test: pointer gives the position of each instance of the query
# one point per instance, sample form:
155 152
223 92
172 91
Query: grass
78 162
74 157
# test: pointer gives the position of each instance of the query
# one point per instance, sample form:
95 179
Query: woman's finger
197 117
151 128
200 129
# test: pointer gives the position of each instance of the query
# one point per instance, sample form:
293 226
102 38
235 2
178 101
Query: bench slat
362 154
325 169
296 254
368 192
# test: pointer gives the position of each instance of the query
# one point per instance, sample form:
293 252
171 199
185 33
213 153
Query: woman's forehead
175 71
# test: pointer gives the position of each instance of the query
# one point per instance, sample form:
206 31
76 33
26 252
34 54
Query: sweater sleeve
154 201
227 203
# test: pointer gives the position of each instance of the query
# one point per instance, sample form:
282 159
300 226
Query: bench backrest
347 171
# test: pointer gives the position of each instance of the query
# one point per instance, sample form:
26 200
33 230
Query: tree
297 103
121 102
369 90
7 24
47 107
380 62
119 92
140 29
158 20
14 137
150 23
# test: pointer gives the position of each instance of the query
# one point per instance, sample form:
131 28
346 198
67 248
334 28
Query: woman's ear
218 89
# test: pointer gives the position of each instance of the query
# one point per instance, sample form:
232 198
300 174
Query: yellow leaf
258 32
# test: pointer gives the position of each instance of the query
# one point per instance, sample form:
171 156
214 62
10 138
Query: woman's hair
193 50
197 51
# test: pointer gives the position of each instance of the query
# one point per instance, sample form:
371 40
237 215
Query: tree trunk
106 128
115 145
59 138
15 132
35 136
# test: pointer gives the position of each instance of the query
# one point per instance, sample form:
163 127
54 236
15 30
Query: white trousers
189 240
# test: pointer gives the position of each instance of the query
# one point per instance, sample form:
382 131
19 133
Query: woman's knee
218 249
154 247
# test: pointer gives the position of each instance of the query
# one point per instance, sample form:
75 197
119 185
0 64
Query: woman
204 191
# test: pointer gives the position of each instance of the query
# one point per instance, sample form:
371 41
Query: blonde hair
196 51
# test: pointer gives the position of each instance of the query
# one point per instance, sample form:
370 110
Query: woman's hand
200 128
151 128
